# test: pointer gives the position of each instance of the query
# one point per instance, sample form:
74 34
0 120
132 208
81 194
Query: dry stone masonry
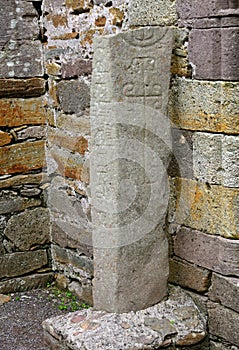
46 51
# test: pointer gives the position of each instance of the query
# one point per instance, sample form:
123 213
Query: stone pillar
131 146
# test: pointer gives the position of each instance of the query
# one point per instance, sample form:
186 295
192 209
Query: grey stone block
146 12
74 96
21 59
29 229
223 322
225 290
9 205
22 284
21 263
212 252
131 148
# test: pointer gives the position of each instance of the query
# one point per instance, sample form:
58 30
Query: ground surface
21 318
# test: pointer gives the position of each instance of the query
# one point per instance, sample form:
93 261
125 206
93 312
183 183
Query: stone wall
204 207
24 217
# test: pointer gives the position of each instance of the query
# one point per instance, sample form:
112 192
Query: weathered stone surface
22 284
83 290
68 235
21 263
68 257
128 237
29 229
31 87
221 344
15 112
223 322
23 179
65 163
216 158
22 60
76 68
79 5
212 252
18 21
188 110
72 141
32 132
225 290
74 96
22 157
10 205
208 208
72 123
146 13
188 275
213 54
152 328
5 138
194 9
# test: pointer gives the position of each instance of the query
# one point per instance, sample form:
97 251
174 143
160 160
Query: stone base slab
175 322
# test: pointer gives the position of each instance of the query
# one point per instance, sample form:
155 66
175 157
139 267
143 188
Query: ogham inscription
130 150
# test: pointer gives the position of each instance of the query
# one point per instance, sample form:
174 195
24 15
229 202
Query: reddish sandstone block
188 9
213 53
76 68
16 112
72 142
22 157
32 87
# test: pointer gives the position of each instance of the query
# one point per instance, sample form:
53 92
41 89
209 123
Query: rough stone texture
128 238
4 299
15 112
22 157
72 141
21 52
67 164
213 54
67 257
146 13
225 290
76 68
194 9
216 158
10 205
21 60
21 263
31 87
180 64
189 276
5 138
204 105
212 252
32 132
73 122
71 91
29 229
223 322
165 324
22 284
221 344
34 179
208 208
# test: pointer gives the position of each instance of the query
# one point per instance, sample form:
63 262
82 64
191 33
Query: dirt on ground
21 318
